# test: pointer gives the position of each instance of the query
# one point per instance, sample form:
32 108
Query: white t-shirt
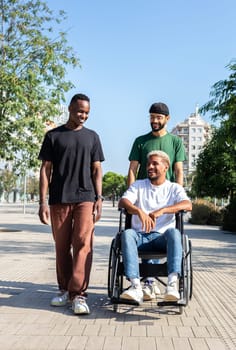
149 198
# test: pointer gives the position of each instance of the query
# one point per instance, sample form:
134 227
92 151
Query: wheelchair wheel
115 279
191 271
187 271
111 267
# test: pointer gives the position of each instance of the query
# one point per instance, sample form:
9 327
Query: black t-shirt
72 154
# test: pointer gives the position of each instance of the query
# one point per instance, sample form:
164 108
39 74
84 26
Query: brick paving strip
27 283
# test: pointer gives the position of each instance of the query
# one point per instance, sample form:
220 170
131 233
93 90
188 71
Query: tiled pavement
27 283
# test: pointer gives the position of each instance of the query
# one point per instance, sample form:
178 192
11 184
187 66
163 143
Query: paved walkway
27 283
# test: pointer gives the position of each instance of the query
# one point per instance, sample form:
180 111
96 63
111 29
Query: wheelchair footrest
180 302
124 301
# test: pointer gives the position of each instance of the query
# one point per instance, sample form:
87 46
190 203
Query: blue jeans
132 242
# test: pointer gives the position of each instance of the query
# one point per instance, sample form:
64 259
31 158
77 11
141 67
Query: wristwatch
99 196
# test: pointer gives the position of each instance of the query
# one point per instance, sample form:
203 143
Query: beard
157 128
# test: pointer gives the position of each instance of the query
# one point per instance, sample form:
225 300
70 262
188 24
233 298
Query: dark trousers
73 231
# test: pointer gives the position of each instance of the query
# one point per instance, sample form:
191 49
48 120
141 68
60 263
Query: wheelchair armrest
128 217
122 210
179 221
127 221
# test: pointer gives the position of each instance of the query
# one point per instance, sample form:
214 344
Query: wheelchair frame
159 271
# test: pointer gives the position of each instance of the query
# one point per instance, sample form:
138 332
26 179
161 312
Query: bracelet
42 203
99 196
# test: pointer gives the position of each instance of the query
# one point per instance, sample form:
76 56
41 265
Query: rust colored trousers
73 231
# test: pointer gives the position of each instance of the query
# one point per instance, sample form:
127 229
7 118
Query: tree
34 56
113 185
8 180
215 174
216 166
223 102
32 186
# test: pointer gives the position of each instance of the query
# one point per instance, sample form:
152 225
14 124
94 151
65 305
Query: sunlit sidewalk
28 282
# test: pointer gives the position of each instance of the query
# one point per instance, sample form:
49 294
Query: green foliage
215 172
8 182
223 102
32 186
113 184
216 165
34 57
204 213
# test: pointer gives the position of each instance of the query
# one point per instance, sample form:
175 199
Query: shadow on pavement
27 295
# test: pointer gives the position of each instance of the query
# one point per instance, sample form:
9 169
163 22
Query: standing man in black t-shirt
71 171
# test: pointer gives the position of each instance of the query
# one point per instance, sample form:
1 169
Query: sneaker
133 293
156 289
172 293
79 306
150 290
61 299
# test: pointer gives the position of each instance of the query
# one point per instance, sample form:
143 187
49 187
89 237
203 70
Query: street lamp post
24 196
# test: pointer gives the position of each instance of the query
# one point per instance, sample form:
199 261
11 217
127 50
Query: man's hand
156 214
44 214
148 223
97 210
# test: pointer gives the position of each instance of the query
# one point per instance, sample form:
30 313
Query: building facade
194 132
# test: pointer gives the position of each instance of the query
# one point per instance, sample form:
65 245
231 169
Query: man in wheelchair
153 203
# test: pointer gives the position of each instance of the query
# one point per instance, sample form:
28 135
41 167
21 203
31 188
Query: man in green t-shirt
157 139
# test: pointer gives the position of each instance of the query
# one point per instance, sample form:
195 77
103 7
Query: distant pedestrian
71 170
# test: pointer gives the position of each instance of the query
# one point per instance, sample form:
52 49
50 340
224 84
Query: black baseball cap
159 108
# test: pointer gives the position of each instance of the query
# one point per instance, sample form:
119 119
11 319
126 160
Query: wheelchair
116 276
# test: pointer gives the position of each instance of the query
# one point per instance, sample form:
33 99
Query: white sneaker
134 293
150 290
172 293
156 289
61 299
79 306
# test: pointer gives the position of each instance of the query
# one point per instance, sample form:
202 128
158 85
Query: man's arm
172 209
97 182
44 180
179 173
133 169
148 223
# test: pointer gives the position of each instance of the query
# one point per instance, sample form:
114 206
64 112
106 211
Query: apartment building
194 132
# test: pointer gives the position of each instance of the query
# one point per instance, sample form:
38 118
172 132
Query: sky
134 53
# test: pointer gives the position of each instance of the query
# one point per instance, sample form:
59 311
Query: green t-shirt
169 143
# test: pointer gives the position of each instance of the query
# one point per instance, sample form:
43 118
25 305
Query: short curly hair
79 97
160 154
